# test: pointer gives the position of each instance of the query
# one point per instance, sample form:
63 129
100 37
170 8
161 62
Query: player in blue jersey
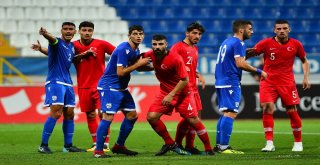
114 94
59 91
229 66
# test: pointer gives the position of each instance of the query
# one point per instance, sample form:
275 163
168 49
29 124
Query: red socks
191 135
268 125
296 125
162 131
182 130
203 135
93 126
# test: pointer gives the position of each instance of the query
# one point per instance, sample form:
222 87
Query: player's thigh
127 102
186 106
70 100
86 99
157 106
229 98
54 94
289 95
110 101
268 94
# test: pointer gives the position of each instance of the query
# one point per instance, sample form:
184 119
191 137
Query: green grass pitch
19 143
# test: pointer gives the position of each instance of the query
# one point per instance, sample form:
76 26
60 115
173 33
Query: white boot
269 147
297 147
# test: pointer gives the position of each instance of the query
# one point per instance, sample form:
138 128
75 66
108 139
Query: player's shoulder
147 53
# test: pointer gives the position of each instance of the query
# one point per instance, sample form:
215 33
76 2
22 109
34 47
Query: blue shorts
229 98
113 100
58 94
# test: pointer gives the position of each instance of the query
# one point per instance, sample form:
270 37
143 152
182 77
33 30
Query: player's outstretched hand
143 61
42 31
36 46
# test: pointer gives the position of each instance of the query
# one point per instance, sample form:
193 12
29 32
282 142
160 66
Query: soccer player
114 94
229 66
175 93
59 92
89 66
188 50
279 53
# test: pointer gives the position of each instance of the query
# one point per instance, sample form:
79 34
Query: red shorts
197 101
89 99
288 94
183 103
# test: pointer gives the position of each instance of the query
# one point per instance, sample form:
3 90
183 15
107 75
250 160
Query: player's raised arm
52 39
123 71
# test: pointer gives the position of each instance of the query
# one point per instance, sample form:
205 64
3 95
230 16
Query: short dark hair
195 25
86 24
238 24
281 21
159 37
135 27
68 23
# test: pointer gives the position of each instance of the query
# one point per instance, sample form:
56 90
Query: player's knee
193 120
151 117
132 115
91 115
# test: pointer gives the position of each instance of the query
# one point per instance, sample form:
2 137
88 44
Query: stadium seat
15 13
19 40
118 27
9 26
49 25
6 3
34 13
79 3
3 14
52 13
89 14
27 27
41 3
60 3
71 13
107 13
102 27
22 3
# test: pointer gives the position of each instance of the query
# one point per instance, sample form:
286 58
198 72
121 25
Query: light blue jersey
60 57
124 56
227 74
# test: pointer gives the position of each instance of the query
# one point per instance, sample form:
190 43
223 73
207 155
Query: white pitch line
240 132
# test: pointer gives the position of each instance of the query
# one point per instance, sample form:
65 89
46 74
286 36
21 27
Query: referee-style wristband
259 71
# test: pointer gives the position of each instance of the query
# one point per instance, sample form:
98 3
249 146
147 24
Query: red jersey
169 71
189 55
279 59
90 69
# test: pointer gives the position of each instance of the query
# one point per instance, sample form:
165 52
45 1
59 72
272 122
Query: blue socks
47 130
218 136
226 126
68 131
125 129
102 133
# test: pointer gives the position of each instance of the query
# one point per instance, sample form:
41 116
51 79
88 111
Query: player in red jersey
175 92
90 66
279 53
188 50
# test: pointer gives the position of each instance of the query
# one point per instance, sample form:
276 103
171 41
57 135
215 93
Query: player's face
194 36
159 47
86 33
281 30
136 36
68 32
248 31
